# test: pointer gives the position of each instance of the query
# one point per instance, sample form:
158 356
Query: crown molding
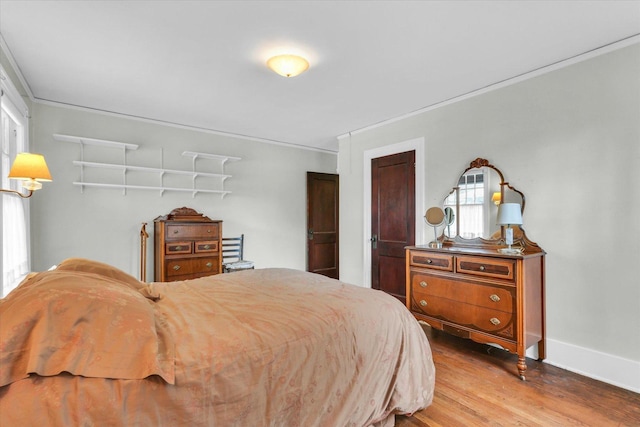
16 68
181 126
25 85
507 82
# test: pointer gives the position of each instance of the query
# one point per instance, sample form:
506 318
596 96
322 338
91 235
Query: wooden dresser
187 245
482 278
480 294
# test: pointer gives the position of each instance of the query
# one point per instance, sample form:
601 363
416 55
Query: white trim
418 145
185 127
16 69
615 370
11 101
13 95
508 82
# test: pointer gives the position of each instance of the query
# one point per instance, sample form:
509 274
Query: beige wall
267 203
570 140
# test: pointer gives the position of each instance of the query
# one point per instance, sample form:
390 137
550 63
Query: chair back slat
232 248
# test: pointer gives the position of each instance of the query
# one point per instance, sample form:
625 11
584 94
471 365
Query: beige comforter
271 347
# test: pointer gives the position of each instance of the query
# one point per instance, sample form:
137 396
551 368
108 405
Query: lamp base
510 251
435 244
31 184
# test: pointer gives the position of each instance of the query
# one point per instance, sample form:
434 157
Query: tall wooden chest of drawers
480 294
187 245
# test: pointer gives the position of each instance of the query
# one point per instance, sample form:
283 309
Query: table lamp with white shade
509 214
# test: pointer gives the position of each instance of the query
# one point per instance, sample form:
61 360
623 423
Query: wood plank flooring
477 385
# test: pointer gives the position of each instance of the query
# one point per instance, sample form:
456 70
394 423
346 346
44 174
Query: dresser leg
522 367
542 351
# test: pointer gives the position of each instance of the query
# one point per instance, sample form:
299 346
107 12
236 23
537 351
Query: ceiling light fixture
288 65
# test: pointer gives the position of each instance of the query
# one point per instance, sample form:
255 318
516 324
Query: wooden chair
232 255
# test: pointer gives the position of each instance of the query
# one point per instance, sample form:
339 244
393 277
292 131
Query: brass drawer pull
495 321
429 261
209 230
209 264
207 246
176 231
177 248
494 298
423 303
176 267
423 284
482 268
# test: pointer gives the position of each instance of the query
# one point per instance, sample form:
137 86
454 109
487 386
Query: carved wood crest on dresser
468 286
187 245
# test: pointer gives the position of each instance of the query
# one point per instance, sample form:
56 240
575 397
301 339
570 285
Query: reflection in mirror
475 199
449 217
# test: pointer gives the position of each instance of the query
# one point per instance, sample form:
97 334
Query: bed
89 345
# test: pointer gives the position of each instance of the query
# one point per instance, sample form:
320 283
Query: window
15 210
472 193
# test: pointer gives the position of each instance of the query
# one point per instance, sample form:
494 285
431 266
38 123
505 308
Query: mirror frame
520 238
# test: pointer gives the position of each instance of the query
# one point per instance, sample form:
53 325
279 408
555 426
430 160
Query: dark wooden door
392 220
322 224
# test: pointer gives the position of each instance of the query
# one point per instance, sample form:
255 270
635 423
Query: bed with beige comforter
88 345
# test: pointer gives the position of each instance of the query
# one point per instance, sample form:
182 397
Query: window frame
13 104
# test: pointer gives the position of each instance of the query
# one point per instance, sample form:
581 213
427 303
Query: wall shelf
150 187
124 168
94 141
223 159
150 170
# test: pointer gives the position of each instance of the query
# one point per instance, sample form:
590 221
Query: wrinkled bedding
272 347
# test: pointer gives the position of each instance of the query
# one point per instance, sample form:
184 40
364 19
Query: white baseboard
620 372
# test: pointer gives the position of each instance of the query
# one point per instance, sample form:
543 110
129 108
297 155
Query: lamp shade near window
31 168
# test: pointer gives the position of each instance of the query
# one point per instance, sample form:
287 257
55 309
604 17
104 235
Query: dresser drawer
431 260
206 246
193 231
488 267
424 287
181 267
174 248
474 317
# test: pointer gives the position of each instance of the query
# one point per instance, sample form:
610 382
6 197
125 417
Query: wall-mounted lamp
31 169
496 198
509 214
288 65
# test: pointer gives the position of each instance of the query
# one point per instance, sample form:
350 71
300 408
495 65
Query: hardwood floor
477 385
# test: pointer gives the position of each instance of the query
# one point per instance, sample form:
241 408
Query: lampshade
509 213
30 166
288 65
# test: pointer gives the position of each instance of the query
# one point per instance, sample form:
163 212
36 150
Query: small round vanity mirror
435 217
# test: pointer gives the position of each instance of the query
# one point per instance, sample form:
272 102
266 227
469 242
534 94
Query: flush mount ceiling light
288 65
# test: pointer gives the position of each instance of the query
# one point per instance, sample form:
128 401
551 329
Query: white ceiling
202 63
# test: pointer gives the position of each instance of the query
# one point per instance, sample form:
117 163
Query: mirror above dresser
475 200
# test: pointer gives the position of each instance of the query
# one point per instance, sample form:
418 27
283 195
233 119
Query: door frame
417 145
